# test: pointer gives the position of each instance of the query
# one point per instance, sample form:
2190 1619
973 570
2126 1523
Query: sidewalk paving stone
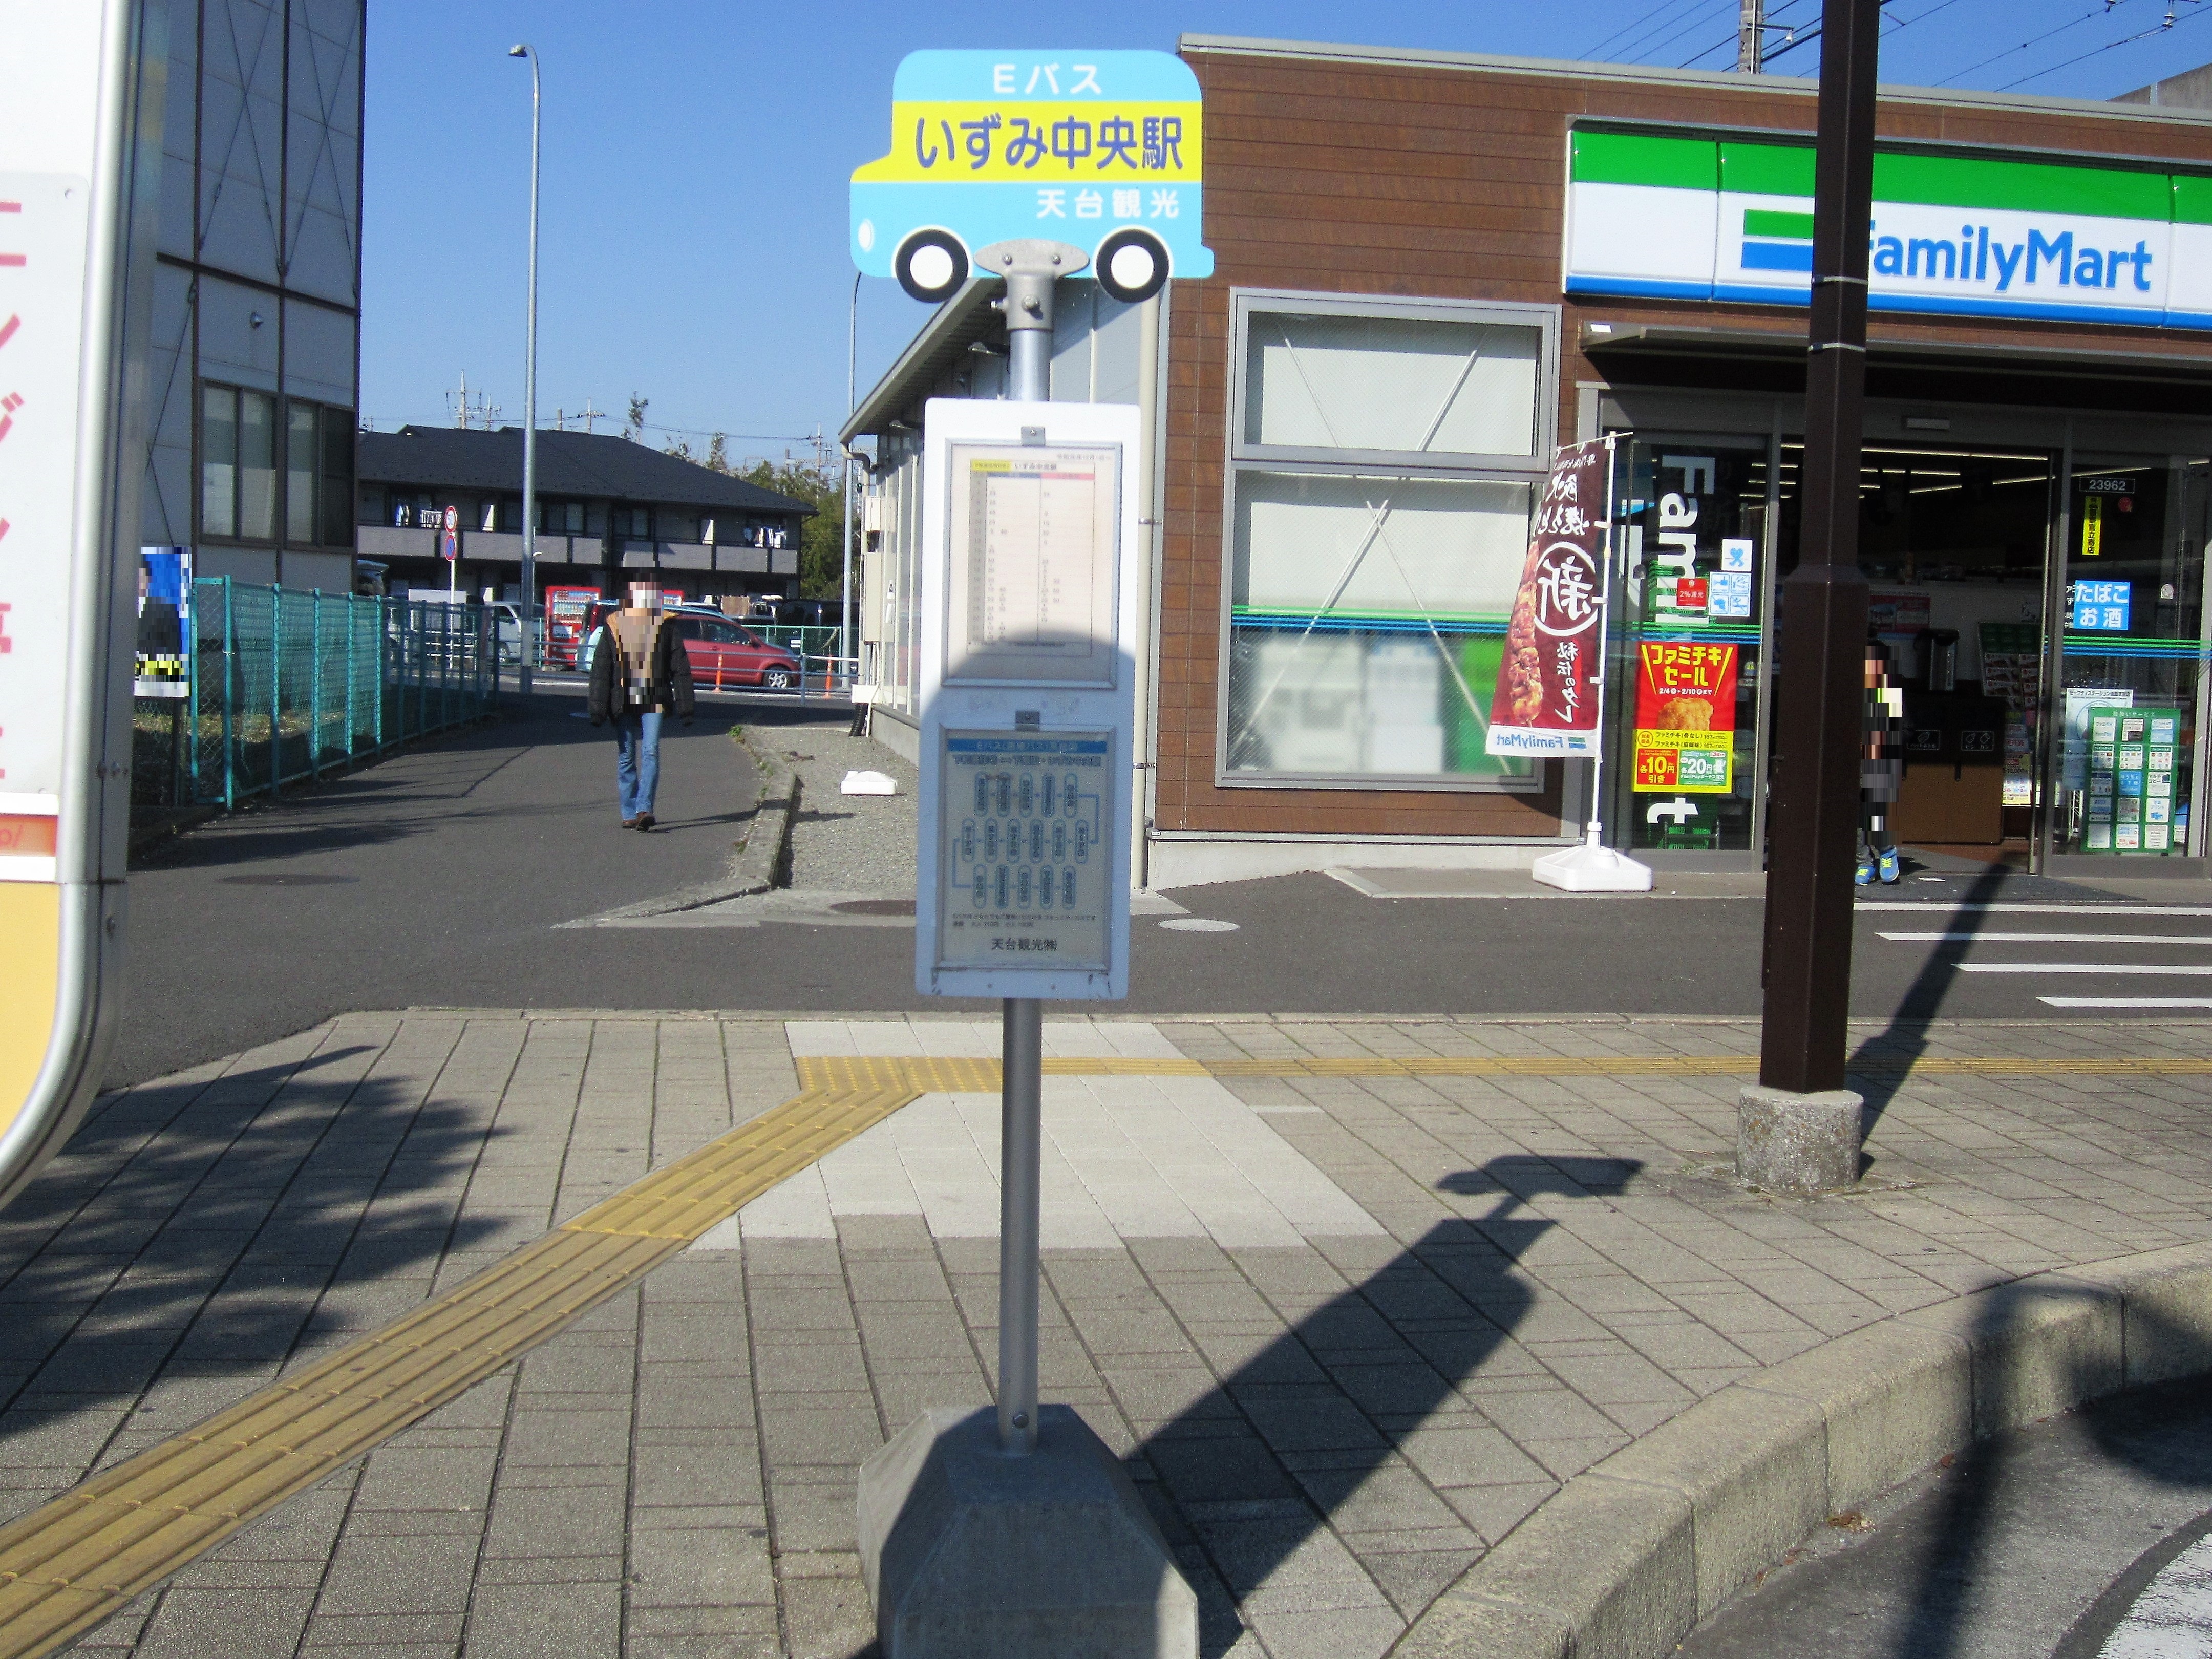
1348 1331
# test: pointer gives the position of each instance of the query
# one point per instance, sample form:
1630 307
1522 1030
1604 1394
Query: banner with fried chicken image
1550 674
1686 718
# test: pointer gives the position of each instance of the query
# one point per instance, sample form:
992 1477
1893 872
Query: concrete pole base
1800 1145
968 1550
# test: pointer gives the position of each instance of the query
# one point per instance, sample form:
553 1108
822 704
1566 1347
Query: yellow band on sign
1017 142
1652 737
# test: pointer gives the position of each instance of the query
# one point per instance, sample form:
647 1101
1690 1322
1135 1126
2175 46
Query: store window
2131 656
1692 586
1383 461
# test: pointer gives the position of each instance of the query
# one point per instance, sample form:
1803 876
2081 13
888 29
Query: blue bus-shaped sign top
1073 147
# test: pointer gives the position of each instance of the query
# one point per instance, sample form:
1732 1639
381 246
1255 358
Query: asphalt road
441 877
2039 1544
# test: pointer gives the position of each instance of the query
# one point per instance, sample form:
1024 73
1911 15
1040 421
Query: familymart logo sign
1654 215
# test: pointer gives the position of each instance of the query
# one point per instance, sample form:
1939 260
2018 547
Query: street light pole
529 397
846 645
1820 650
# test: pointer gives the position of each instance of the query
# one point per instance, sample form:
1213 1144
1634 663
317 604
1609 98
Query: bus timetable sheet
1033 537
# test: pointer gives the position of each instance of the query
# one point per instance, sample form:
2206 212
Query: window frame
329 419
1242 457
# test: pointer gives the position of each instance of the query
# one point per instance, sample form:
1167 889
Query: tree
634 429
821 561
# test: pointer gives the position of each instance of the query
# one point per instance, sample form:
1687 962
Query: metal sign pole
1020 1130
1028 306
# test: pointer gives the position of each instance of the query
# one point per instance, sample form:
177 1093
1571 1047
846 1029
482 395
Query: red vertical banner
1548 682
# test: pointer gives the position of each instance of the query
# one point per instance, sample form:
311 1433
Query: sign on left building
80 149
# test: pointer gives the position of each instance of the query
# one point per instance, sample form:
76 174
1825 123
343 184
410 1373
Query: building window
218 461
1383 459
337 475
560 517
238 472
302 462
635 523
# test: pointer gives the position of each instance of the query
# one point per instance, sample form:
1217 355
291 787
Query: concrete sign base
1798 1143
971 1552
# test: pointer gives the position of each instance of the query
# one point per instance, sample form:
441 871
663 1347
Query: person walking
640 672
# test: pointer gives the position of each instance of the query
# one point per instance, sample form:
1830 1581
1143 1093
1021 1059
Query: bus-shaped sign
1102 150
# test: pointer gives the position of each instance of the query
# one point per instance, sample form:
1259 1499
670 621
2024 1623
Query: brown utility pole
1820 640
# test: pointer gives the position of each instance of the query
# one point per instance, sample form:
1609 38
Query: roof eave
964 317
1646 75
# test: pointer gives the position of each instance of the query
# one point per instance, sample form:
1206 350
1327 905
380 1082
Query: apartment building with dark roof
609 512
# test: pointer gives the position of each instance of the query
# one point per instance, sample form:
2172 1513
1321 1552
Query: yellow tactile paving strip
969 1076
71 1563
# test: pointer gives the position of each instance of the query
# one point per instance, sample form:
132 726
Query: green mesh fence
285 685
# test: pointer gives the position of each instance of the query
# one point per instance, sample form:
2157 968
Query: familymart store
1431 270
2036 554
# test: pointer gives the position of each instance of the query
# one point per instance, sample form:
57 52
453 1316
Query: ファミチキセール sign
1664 215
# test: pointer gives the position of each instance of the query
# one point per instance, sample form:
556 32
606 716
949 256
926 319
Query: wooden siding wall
1376 179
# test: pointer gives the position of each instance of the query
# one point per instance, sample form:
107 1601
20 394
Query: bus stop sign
1100 150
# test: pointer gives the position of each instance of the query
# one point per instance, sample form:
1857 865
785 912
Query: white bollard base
1589 868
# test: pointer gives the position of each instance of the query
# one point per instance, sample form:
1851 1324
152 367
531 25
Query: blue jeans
637 760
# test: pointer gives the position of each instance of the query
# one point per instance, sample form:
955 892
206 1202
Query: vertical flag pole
1589 865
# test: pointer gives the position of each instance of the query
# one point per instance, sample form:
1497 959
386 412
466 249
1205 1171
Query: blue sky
695 159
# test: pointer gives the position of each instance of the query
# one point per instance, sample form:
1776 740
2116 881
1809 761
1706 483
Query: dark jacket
667 681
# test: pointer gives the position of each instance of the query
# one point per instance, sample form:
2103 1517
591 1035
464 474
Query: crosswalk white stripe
2064 938
2081 967
2128 1002
2171 1619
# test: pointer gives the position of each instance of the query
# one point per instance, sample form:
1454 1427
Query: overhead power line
2171 21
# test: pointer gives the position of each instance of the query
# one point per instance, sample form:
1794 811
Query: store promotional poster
1551 677
1684 718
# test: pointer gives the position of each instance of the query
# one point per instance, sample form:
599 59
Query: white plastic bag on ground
867 783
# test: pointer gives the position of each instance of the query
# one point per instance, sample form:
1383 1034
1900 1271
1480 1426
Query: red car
726 653
723 652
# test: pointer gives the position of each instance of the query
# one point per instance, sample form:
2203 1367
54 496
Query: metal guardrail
284 684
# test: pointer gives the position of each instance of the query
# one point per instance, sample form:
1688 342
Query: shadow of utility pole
1890 1054
1252 1471
2157 1350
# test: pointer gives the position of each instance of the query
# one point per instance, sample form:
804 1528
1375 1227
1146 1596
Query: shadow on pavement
1941 1610
1248 1473
1893 1051
193 1236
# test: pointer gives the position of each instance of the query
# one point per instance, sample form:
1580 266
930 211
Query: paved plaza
1352 1298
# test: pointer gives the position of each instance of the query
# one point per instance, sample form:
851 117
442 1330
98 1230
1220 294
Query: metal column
1020 1132
1028 307
1820 643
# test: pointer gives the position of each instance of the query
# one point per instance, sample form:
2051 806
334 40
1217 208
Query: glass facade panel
218 461
1368 618
300 467
256 466
1690 579
2132 657
1407 386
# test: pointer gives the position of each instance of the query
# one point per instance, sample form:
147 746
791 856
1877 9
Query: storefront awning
1647 340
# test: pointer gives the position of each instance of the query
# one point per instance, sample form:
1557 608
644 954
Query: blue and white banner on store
1665 215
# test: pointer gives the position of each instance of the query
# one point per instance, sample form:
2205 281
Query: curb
758 860
1625 1559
